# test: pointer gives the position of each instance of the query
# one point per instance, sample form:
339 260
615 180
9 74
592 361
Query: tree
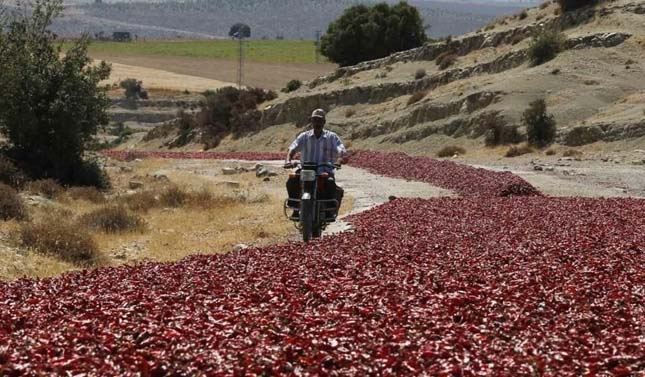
51 104
365 33
540 127
567 5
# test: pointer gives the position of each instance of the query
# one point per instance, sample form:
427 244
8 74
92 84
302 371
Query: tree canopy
51 104
365 33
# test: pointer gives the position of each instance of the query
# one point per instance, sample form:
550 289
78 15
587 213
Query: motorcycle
315 213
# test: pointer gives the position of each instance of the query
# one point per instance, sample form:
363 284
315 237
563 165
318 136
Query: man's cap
318 113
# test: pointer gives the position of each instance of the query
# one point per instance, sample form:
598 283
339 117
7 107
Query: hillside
292 19
594 88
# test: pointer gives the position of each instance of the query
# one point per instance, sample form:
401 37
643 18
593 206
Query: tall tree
365 33
51 103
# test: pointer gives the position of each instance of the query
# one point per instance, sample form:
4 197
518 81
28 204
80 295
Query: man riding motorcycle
319 146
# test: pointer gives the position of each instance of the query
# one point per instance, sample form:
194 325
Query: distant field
269 51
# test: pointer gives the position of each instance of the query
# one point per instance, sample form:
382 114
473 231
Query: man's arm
294 148
340 148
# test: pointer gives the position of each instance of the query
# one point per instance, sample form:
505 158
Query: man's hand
289 164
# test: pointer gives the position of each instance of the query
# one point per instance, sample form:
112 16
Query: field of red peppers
480 285
464 179
521 286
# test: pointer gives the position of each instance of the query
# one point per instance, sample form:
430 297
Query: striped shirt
327 148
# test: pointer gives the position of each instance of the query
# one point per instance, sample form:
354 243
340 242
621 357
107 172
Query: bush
141 201
133 89
62 239
523 15
350 113
419 74
370 32
567 5
572 153
49 126
550 152
174 197
540 127
292 86
90 194
450 151
416 97
48 188
516 151
497 132
112 219
446 59
544 47
10 174
11 205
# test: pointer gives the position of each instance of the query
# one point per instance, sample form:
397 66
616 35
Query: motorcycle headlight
307 175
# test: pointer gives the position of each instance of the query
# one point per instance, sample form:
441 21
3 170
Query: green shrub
65 240
544 47
540 127
365 32
450 150
11 205
113 219
48 126
567 5
497 132
133 89
10 174
292 86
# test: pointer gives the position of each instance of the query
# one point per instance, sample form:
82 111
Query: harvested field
163 79
259 74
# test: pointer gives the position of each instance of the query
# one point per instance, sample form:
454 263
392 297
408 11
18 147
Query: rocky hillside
594 88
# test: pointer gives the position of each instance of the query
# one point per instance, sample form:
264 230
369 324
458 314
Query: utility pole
240 68
317 46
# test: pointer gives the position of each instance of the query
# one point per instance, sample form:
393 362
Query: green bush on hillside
370 32
540 127
49 125
545 47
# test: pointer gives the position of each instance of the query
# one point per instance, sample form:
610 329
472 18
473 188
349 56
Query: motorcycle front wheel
307 219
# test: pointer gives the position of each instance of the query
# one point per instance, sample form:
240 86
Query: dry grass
450 150
572 153
416 97
48 188
141 201
63 240
11 205
89 194
516 151
113 219
446 59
